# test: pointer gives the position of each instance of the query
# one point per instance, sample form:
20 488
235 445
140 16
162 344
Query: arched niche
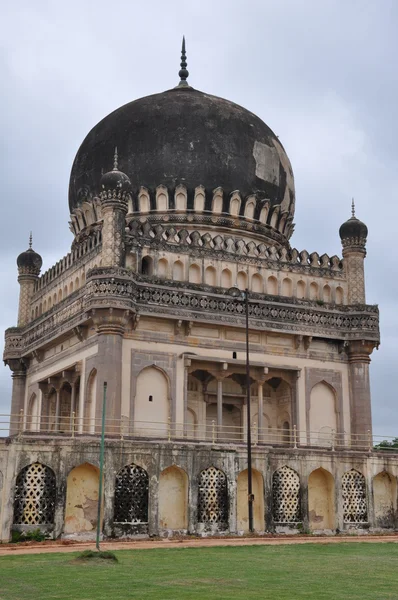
257 283
249 209
355 503
385 500
234 206
210 276
321 504
287 287
241 280
65 407
81 509
323 414
242 501
314 291
178 271
286 500
226 278
90 404
163 267
194 274
152 404
173 499
192 423
131 501
339 295
327 293
301 290
33 416
272 286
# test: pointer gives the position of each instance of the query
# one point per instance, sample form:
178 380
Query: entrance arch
385 500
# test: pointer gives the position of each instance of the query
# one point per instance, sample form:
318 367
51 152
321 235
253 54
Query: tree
387 445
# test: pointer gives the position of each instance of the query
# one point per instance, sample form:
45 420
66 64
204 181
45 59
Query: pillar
219 408
111 325
18 393
187 364
260 411
360 401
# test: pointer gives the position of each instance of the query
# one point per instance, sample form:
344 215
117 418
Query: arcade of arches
36 500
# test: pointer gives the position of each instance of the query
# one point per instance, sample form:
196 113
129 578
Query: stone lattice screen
213 498
34 502
286 496
131 495
353 487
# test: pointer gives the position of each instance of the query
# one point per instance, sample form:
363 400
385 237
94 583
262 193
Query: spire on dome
115 160
353 209
183 73
30 240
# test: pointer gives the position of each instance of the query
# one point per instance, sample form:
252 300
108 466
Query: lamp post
236 293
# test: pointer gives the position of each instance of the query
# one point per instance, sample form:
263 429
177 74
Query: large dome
183 136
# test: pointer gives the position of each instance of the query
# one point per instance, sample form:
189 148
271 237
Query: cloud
321 74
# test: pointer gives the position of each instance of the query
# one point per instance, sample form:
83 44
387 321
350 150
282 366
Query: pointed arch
213 499
163 268
226 278
272 286
210 276
178 271
241 280
355 504
131 495
194 274
287 287
152 403
301 289
35 494
286 496
385 500
257 283
90 404
258 505
173 499
81 508
321 504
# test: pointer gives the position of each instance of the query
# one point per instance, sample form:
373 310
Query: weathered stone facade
143 303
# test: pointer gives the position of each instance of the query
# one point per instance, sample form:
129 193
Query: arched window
54 299
151 404
71 287
76 283
178 271
59 295
147 265
234 206
210 276
65 291
249 210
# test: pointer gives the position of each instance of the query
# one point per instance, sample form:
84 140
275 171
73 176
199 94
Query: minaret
353 234
29 265
115 186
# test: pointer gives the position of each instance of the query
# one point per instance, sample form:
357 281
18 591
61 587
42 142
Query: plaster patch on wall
267 163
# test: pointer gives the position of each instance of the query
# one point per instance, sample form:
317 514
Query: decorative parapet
119 288
226 247
68 261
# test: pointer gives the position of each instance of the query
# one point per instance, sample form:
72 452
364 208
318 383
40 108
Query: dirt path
13 549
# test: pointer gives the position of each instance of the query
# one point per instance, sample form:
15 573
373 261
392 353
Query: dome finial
30 240
115 160
353 209
183 73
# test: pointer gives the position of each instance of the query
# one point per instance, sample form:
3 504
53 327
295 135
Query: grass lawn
318 572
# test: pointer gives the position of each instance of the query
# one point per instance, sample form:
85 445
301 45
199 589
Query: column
57 407
219 408
187 364
18 393
260 410
111 325
72 406
360 401
81 397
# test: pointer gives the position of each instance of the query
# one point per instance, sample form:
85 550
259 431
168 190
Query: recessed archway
81 511
242 503
173 499
385 500
321 505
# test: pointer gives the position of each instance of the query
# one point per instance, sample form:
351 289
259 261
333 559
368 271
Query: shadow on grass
95 556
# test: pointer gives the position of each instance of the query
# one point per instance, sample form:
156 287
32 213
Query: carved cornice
118 291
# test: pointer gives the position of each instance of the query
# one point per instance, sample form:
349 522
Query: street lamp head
235 292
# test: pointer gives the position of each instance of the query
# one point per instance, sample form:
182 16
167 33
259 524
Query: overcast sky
321 73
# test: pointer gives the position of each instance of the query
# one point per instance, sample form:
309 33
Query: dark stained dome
183 136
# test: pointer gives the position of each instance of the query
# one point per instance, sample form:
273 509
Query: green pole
102 448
